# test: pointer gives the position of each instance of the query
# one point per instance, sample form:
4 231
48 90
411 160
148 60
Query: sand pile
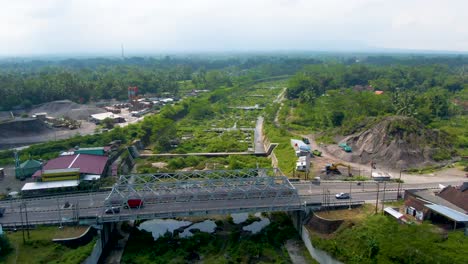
394 142
67 108
23 127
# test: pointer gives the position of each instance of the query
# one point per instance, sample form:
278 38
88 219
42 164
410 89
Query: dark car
2 211
306 140
113 210
342 196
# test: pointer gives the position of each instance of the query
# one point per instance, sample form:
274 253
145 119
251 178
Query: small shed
27 168
457 217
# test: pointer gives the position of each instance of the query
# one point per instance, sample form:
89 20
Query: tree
404 103
337 118
108 123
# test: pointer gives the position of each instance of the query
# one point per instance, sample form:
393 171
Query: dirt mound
396 142
23 127
68 109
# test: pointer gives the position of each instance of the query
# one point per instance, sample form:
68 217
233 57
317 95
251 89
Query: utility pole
27 222
383 199
399 183
22 225
350 197
59 213
377 197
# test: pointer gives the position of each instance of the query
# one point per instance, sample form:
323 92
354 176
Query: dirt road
445 175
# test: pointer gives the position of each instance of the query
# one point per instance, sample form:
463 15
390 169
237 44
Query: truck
134 203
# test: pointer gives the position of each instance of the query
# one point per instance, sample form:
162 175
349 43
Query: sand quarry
19 131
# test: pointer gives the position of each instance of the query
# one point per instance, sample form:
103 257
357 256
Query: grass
356 214
380 239
284 152
39 248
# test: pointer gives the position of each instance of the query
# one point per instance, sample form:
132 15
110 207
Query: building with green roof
27 168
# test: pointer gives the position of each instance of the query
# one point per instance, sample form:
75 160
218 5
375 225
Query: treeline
27 83
342 99
348 92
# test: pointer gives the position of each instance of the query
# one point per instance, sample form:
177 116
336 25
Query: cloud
100 26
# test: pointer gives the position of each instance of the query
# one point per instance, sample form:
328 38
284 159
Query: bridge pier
106 234
298 219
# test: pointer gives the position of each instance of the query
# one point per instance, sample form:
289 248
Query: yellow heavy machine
333 168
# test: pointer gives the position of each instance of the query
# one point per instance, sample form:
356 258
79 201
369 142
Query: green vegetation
380 239
40 248
341 100
229 244
199 163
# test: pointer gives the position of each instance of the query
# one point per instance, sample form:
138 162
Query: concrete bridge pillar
106 233
298 220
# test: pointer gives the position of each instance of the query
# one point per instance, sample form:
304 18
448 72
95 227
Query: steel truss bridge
200 193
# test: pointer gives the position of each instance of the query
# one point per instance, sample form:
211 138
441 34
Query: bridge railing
200 175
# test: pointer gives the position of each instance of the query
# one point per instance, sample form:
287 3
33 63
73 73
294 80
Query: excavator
333 168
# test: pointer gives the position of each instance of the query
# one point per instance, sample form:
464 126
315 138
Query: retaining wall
319 255
322 225
75 242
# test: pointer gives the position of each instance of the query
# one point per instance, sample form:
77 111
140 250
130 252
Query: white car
342 196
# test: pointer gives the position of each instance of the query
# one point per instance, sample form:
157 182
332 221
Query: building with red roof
86 164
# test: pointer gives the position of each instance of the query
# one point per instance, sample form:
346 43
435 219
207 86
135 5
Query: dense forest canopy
27 83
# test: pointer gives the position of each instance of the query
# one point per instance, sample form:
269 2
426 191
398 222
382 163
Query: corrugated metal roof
103 116
393 212
30 186
88 164
430 197
448 212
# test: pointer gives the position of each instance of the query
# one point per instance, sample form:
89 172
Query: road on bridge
92 204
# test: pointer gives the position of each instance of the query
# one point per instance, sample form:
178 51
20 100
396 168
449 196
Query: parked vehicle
345 147
306 140
113 210
342 196
317 153
333 169
2 211
134 203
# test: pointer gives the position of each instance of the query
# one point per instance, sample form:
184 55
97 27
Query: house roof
30 164
103 116
393 212
456 195
448 212
30 186
88 164
429 197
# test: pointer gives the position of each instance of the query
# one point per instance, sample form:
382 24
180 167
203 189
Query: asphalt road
92 204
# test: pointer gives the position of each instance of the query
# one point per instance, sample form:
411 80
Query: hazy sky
100 26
